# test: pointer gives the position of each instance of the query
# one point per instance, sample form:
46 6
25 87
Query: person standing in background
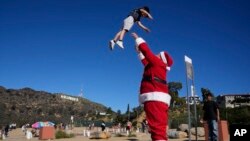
103 126
211 116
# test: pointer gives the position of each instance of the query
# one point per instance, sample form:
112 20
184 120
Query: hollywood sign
69 98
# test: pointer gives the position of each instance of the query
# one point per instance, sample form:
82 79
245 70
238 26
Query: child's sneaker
111 44
120 44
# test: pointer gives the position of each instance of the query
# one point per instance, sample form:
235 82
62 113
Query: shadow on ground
132 139
193 140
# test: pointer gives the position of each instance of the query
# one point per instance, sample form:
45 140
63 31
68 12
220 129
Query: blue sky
62 46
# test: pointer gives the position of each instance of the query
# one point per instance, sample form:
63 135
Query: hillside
27 106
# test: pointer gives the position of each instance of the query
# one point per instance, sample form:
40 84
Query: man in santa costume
154 90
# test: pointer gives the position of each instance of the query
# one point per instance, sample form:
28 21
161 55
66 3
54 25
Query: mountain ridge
26 105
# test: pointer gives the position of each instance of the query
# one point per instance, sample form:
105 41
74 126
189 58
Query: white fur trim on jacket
141 56
138 41
155 96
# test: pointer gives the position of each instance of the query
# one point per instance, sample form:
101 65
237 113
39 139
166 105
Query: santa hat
166 58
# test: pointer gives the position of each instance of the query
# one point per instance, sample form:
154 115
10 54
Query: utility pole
190 76
188 104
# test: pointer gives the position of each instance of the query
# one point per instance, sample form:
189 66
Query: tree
118 118
128 112
174 88
109 110
119 112
237 115
134 113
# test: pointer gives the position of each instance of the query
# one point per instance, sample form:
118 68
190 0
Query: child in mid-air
134 16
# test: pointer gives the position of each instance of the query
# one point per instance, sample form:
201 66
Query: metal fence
175 122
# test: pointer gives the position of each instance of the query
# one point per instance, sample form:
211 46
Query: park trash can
47 133
222 130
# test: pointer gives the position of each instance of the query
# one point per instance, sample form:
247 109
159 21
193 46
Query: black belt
149 78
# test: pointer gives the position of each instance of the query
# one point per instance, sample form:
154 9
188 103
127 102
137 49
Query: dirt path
18 135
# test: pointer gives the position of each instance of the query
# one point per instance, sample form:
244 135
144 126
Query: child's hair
146 8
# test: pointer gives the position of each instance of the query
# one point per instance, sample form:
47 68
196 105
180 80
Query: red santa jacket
154 67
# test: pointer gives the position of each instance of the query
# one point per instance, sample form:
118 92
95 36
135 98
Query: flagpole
188 105
190 75
195 110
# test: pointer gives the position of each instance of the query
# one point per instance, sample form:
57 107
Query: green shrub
61 134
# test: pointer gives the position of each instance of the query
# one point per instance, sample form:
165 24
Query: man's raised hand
134 35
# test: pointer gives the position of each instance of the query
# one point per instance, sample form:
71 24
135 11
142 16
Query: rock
69 132
28 135
172 134
182 134
176 134
183 127
100 135
172 129
200 131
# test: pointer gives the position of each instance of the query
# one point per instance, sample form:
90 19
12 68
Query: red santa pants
157 117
